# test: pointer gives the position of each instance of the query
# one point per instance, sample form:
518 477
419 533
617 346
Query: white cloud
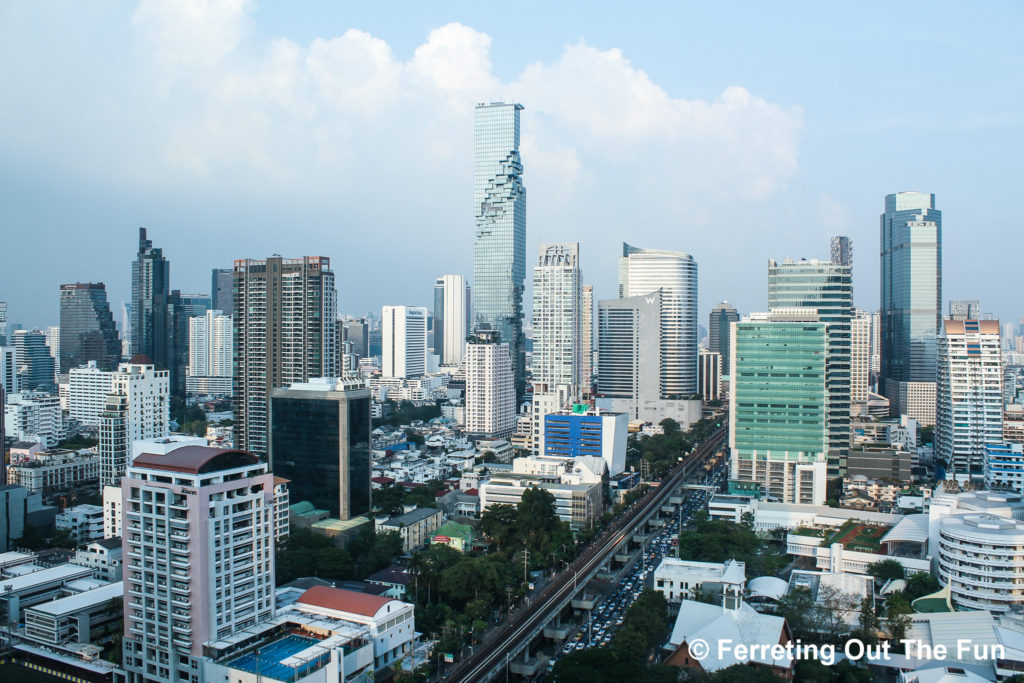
191 33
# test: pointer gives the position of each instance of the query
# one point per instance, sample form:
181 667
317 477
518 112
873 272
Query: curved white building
643 271
981 557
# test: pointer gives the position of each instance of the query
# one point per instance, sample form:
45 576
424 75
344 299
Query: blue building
598 434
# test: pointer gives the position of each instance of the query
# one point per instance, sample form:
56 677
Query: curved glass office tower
499 255
643 271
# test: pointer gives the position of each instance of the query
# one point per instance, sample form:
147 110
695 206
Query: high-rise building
587 343
911 302
842 251
34 416
357 334
451 318
52 335
222 280
827 288
860 356
284 319
876 346
3 323
499 253
87 392
644 271
87 329
36 367
969 410
719 328
195 304
627 329
198 546
779 404
709 371
965 309
557 316
320 442
547 398
209 354
137 407
404 330
490 410
581 433
159 327
9 369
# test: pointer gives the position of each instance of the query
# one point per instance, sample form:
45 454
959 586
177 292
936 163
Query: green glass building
778 412
827 287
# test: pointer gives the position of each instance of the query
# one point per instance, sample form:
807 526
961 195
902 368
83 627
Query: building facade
719 328
36 367
321 443
911 300
827 288
709 373
587 340
404 330
557 316
595 433
198 556
284 332
490 387
222 280
499 253
87 330
860 356
969 410
137 407
778 408
209 348
451 318
646 271
159 324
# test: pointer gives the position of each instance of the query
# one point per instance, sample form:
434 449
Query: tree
919 585
867 623
886 570
835 606
412 436
498 523
898 612
669 426
797 607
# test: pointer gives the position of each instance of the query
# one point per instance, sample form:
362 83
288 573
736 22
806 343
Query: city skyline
569 156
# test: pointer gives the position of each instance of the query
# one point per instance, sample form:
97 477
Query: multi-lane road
493 654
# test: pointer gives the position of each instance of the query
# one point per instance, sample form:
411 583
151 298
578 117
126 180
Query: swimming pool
266 659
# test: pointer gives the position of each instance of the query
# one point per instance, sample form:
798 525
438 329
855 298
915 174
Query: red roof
344 600
382 480
196 459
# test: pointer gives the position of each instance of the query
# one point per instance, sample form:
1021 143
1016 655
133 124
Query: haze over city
245 129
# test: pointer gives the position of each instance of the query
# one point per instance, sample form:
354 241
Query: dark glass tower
221 284
320 442
720 332
35 364
499 254
159 324
87 330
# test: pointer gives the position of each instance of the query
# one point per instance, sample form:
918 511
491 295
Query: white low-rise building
981 557
390 623
55 471
104 557
678 579
83 522
88 617
34 416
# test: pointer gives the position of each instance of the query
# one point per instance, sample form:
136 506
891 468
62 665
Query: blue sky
737 132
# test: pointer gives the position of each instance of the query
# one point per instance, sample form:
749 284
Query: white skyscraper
451 318
643 271
860 356
490 387
404 338
969 401
209 345
557 316
137 407
88 389
198 550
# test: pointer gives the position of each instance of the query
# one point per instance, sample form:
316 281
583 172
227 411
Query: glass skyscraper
87 330
827 288
159 326
643 271
499 254
911 286
320 441
778 410
719 331
557 317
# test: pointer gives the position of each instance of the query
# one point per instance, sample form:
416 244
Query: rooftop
80 601
196 460
343 600
417 515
